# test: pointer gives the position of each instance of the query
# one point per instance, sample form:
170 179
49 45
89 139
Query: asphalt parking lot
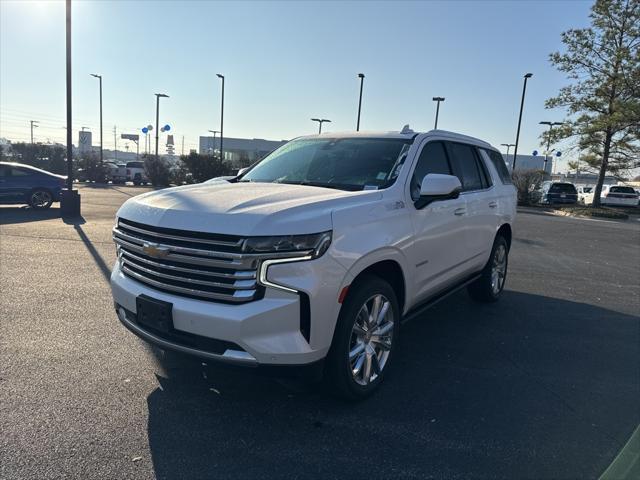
544 384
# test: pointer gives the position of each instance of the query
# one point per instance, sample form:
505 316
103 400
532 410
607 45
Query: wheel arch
389 270
506 232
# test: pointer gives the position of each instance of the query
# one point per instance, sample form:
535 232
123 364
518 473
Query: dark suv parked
559 193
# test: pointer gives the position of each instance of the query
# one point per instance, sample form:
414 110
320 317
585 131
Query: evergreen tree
603 99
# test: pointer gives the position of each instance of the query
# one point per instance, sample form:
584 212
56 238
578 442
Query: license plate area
155 314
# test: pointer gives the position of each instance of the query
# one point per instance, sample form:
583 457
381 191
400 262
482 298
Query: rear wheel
40 199
491 282
363 343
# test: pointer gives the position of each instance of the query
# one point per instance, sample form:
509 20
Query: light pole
69 198
438 100
361 76
527 76
220 76
546 152
214 140
320 122
508 145
99 77
33 124
158 96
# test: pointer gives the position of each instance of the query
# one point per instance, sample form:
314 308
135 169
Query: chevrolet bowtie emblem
154 250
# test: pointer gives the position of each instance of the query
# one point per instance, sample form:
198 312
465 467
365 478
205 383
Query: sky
284 62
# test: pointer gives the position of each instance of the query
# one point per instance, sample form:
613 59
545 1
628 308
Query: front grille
193 264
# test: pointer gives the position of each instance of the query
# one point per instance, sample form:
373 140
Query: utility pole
32 125
182 149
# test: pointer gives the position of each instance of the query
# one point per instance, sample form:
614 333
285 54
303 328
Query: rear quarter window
623 190
498 162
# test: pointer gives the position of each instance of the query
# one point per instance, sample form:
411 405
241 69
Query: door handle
493 204
460 211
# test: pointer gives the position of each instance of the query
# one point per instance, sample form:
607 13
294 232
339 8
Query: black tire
338 370
484 290
40 199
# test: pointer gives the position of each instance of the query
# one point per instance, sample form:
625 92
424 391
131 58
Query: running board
426 305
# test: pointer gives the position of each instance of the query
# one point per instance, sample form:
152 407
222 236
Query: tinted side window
4 171
433 159
463 160
501 166
20 172
487 181
623 190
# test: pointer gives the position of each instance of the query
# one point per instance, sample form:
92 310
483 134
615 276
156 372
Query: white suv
314 256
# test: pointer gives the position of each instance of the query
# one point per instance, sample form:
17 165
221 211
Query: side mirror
242 170
436 186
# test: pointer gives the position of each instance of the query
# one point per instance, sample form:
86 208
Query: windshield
342 163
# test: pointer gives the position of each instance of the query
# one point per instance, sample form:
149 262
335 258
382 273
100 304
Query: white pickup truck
314 256
136 173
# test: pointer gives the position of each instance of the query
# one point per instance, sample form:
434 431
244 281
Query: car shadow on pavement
531 387
25 214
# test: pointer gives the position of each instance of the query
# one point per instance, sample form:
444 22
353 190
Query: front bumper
257 333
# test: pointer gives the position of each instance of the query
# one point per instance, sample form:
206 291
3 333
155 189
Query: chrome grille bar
201 265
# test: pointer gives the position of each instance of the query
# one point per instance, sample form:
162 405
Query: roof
408 135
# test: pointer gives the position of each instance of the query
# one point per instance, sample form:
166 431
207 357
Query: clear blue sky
285 62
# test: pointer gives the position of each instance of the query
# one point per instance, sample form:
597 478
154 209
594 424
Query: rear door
439 250
15 183
5 184
481 202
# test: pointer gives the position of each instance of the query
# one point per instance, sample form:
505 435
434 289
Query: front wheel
40 199
489 286
366 333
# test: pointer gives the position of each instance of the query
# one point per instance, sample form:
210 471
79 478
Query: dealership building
239 151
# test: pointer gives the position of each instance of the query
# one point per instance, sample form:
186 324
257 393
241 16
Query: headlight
315 244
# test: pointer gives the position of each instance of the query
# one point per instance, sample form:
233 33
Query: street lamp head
528 75
316 120
219 75
95 75
438 99
325 120
361 75
162 95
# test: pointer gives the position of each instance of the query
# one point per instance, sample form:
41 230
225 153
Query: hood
246 209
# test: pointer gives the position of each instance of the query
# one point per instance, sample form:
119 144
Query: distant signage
130 136
84 141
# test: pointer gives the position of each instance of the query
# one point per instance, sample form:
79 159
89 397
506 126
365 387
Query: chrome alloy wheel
498 269
371 337
40 198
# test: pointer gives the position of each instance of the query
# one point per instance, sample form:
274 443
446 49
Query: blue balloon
558 153
145 130
535 153
166 128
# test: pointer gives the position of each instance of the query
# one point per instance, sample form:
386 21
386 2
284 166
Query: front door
439 249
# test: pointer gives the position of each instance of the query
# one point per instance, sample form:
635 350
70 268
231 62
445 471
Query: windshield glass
342 163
